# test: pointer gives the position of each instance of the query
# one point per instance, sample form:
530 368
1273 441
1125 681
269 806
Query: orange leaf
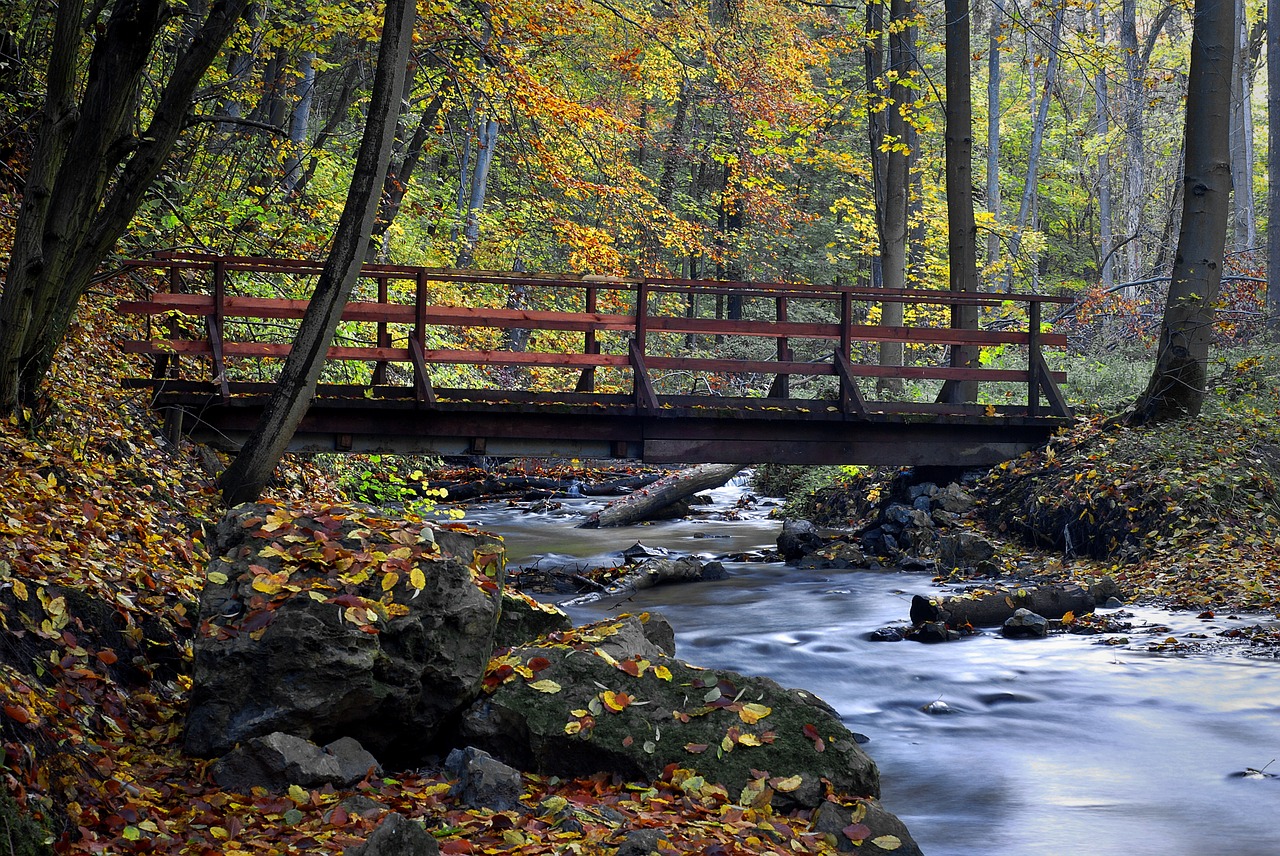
18 714
616 702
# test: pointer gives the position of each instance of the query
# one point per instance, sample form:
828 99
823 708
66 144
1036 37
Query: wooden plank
851 401
646 399
421 377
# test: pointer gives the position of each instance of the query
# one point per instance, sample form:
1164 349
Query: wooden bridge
668 371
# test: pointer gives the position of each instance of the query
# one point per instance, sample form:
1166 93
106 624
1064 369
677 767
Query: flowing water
1055 746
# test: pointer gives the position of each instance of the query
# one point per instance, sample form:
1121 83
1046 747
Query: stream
1054 746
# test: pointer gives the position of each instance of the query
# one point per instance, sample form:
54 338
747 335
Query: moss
20 835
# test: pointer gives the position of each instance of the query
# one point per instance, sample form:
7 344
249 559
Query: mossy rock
565 707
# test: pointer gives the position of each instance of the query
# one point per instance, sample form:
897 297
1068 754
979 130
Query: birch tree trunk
1177 385
1134 183
486 147
248 474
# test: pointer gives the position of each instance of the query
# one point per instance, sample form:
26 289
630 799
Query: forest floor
91 721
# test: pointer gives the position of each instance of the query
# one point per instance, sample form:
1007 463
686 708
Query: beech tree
244 479
91 167
1177 385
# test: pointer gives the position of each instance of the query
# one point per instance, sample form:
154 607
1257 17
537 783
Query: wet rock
1104 590
937 707
797 539
524 619
483 781
837 555
865 828
638 552
926 490
279 760
922 503
1025 624
396 835
898 514
887 634
934 631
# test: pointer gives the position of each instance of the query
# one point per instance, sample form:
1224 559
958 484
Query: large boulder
571 706
797 539
333 622
279 760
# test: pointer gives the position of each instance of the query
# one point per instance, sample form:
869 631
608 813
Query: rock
898 513
314 651
1105 589
875 830
641 842
797 539
722 724
886 634
279 760
926 490
933 631
1025 624
638 552
991 608
837 555
483 781
714 572
524 619
955 499
396 835
963 550
937 707
922 503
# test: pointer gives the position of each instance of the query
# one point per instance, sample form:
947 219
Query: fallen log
644 503
993 608
651 573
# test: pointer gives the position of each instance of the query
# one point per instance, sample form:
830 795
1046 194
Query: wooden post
417 343
781 387
384 336
216 324
1034 360
590 345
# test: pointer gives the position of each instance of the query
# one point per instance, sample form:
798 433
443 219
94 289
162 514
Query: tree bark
993 132
1177 385
673 488
1273 166
1244 231
89 174
244 479
1030 185
962 243
893 223
1101 111
486 147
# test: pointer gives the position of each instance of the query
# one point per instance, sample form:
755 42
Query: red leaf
537 664
812 734
630 667
856 831
107 657
456 845
18 714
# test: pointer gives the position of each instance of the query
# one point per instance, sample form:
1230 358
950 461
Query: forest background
727 140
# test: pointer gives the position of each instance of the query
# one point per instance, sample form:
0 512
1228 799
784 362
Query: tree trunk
962 243
398 177
1273 166
304 94
1244 220
893 234
993 133
1101 109
89 174
486 147
1135 192
673 488
1031 184
244 479
1177 385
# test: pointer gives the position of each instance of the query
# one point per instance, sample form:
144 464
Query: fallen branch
990 609
651 573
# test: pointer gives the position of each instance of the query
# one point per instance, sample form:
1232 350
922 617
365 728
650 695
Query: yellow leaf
217 577
20 590
788 784
546 685
572 727
389 580
752 713
417 579
299 795
749 740
887 842
662 672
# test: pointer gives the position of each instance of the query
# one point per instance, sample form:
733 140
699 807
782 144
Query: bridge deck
661 369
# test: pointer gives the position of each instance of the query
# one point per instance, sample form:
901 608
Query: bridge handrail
639 324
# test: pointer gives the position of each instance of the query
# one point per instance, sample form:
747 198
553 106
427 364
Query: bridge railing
414 326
